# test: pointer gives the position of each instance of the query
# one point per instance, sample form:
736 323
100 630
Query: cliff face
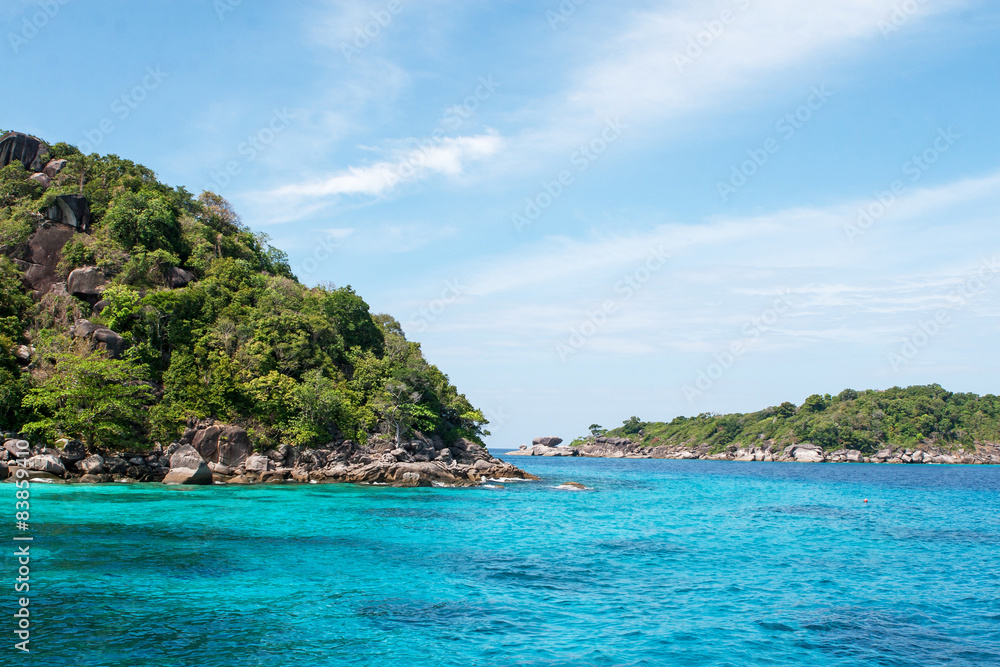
131 311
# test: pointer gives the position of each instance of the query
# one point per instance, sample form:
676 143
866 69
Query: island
149 335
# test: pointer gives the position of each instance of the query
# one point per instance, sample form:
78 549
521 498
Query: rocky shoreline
617 448
210 453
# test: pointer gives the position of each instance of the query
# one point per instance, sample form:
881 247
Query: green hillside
189 314
863 420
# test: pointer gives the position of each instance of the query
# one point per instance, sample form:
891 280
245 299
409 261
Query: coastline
618 448
223 454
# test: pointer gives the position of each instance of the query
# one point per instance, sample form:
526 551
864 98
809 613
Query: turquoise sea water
661 563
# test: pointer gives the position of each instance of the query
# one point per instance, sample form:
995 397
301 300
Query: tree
398 405
633 426
596 430
101 401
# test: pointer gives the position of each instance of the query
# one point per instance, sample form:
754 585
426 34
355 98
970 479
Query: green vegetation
864 420
244 343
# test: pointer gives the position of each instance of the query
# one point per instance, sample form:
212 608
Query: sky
581 210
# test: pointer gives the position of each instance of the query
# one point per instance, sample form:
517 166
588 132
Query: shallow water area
655 563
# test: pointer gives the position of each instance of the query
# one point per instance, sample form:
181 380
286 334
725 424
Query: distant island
920 424
147 334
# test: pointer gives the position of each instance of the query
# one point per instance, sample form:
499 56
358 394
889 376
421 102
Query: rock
45 463
41 261
275 455
807 455
17 449
258 463
41 179
85 282
187 467
854 456
70 210
572 485
548 441
95 479
28 150
92 465
177 277
53 167
917 456
100 336
73 450
220 469
224 444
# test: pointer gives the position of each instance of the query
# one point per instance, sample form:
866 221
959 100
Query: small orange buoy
866 500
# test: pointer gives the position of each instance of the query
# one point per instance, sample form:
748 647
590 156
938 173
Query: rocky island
920 424
148 335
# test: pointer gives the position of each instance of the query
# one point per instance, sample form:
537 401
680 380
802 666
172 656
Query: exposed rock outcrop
70 210
86 283
101 337
28 150
40 262
187 467
219 443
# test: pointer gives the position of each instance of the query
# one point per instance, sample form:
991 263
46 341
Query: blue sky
582 210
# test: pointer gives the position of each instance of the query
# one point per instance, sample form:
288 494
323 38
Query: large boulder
45 463
187 467
228 445
178 277
53 167
86 282
28 150
71 210
41 179
258 463
73 450
99 336
548 441
17 449
92 465
41 261
808 454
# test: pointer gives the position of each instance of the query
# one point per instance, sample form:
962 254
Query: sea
655 563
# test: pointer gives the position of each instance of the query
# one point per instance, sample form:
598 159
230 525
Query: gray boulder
28 150
807 455
87 281
41 179
92 465
258 463
854 456
187 467
177 277
98 335
41 261
17 449
71 210
45 463
73 450
548 441
228 445
53 167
